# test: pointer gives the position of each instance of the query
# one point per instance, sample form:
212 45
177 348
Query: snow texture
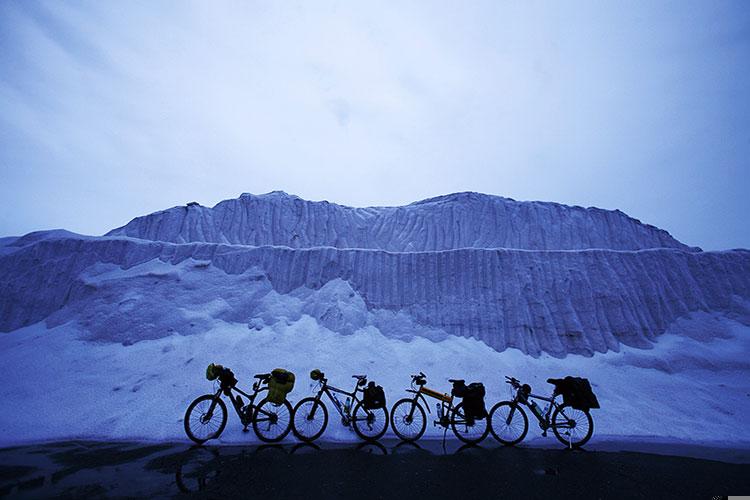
537 301
61 385
120 328
461 220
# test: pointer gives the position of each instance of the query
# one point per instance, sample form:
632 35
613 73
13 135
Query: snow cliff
543 300
461 220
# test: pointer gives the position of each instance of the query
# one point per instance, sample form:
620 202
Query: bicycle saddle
555 381
262 375
453 381
359 377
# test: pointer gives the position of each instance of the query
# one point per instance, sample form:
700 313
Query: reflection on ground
79 469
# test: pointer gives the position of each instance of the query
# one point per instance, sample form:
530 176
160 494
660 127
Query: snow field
60 385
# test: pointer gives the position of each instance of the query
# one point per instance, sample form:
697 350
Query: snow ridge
459 220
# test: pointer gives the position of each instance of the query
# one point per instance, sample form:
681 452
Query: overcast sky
110 110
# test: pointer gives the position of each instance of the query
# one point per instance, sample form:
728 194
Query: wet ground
387 470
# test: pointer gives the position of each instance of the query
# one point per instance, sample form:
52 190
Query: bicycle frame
445 409
237 405
544 420
552 404
331 392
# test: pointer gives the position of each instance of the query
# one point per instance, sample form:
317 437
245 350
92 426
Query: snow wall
538 301
460 220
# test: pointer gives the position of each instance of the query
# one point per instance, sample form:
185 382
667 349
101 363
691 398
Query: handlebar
512 381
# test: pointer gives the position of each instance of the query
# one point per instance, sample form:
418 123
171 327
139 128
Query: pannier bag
374 397
474 401
280 384
577 393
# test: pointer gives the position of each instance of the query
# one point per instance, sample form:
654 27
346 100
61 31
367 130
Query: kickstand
444 433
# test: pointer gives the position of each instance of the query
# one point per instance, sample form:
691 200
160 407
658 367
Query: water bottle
347 405
535 408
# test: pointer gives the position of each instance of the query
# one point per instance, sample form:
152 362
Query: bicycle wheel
309 419
370 425
468 430
572 427
205 418
271 421
408 419
508 423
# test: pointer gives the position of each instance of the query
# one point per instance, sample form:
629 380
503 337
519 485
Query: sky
111 110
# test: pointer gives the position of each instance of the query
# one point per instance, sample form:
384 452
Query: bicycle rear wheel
271 421
508 423
205 418
369 424
468 430
408 419
309 419
572 427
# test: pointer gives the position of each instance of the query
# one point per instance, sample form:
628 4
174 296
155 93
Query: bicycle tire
295 425
395 418
565 439
271 407
357 422
516 408
189 414
455 425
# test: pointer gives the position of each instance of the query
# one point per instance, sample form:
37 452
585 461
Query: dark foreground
85 469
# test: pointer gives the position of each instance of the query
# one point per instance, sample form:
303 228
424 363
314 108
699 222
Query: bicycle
310 416
509 422
409 420
271 422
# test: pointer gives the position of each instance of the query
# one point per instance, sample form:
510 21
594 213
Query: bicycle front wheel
309 419
508 423
408 419
370 425
469 430
205 418
271 421
572 427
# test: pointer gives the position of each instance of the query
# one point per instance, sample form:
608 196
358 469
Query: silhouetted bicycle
409 421
206 417
509 423
311 415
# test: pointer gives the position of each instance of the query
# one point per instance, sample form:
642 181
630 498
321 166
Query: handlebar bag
280 384
374 397
227 380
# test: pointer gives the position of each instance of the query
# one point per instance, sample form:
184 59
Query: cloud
108 111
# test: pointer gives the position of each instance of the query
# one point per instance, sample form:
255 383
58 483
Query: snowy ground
58 383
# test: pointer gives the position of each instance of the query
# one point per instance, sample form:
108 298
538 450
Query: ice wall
461 220
537 301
